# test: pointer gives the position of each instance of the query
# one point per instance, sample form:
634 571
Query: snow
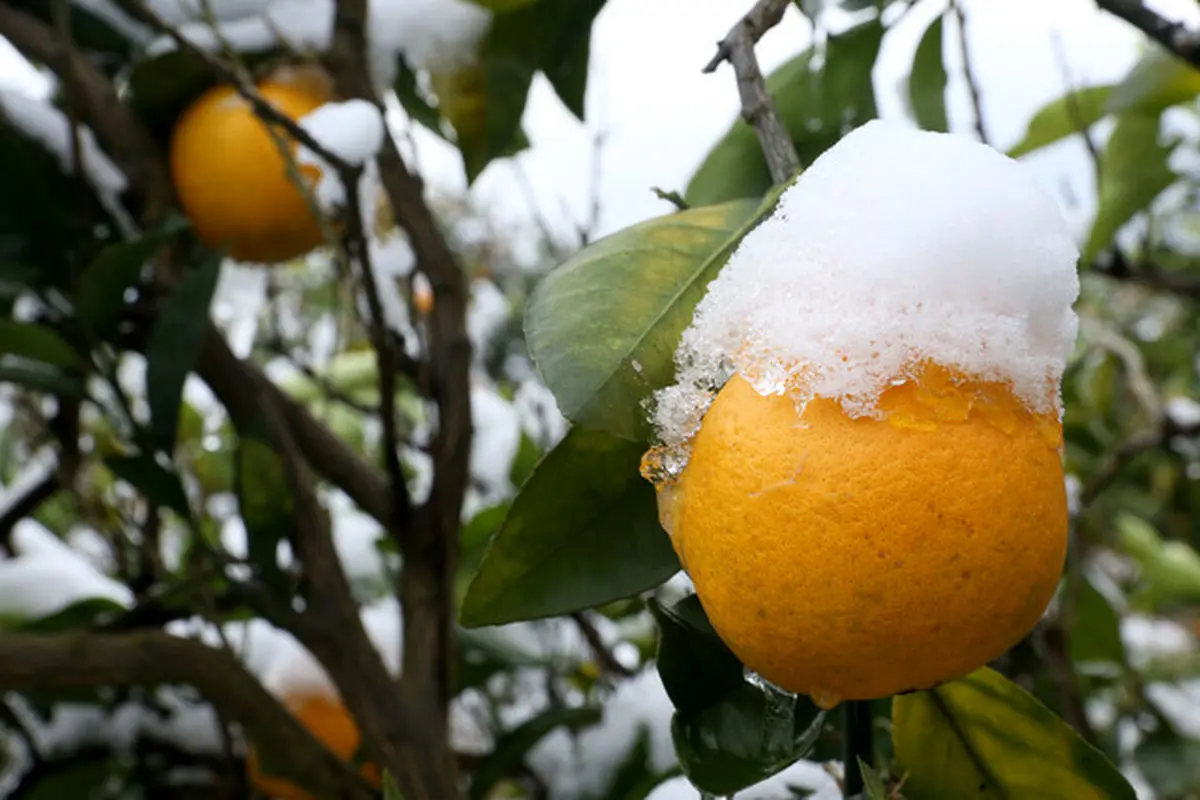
1183 411
352 131
434 35
895 247
46 576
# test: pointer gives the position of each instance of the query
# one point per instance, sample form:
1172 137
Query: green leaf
983 736
486 108
41 378
174 347
410 97
391 790
1133 171
100 294
873 783
1096 630
744 739
927 81
582 531
264 500
693 662
509 754
81 777
817 106
159 485
79 615
1068 115
1157 82
603 327
1170 763
36 343
728 733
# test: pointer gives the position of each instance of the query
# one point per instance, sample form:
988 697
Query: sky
656 114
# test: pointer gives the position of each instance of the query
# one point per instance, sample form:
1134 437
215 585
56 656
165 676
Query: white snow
895 247
352 131
1183 411
434 35
46 576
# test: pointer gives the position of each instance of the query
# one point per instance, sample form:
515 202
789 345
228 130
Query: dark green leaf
503 6
545 35
174 347
40 378
507 758
582 531
87 777
636 776
817 106
264 500
38 225
1170 763
90 31
927 81
696 667
744 739
410 97
1096 632
36 343
100 294
160 486
1133 171
79 615
983 736
603 327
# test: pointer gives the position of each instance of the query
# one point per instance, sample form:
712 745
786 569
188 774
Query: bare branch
431 546
36 662
1116 266
969 77
1175 36
605 657
387 363
758 109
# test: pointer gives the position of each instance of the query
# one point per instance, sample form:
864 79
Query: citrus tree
860 456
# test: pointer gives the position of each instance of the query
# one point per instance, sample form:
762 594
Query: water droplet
825 699
637 366
779 716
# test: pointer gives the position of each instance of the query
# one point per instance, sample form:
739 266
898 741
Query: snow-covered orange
854 558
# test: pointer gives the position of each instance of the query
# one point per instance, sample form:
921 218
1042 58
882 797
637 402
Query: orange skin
329 721
852 559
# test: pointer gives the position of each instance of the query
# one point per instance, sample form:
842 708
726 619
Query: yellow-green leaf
985 737
603 327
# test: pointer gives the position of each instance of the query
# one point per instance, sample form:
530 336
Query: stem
859 744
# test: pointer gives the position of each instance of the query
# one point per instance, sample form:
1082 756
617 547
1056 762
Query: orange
232 180
329 721
856 558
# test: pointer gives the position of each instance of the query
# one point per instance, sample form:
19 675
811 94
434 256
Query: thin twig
969 72
239 81
359 252
1175 36
1072 101
605 657
758 109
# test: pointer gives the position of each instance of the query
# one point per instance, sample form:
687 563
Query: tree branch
960 16
36 663
1175 36
430 548
758 109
